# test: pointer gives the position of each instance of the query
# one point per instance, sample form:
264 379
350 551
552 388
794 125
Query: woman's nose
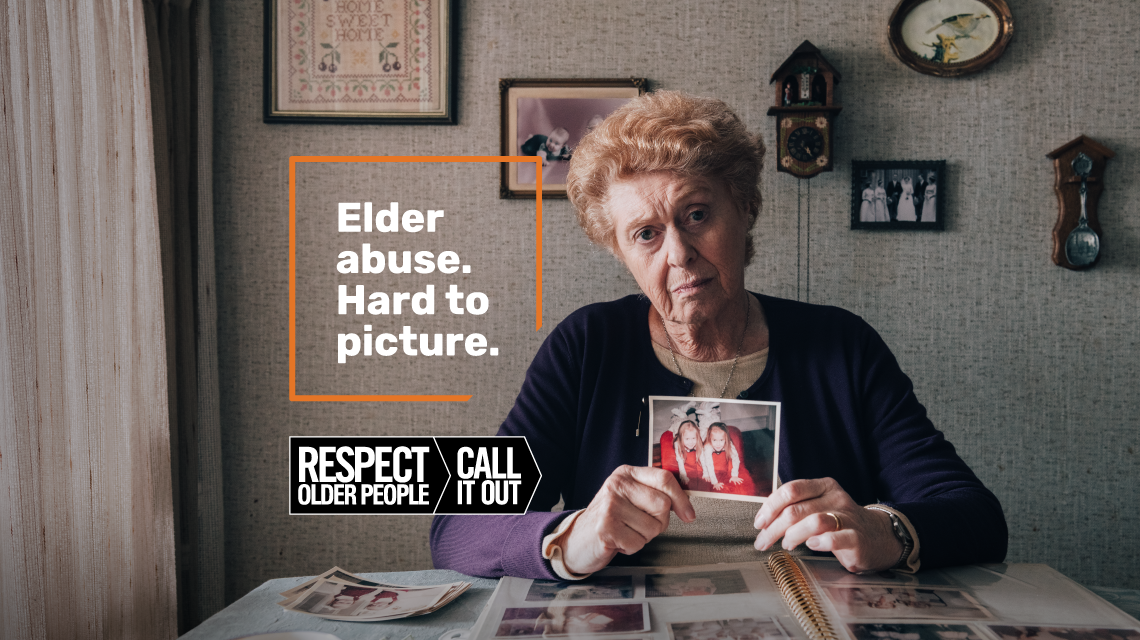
679 249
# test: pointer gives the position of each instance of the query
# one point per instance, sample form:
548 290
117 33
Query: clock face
805 144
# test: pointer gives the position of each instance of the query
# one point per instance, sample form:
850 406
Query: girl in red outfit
722 457
682 456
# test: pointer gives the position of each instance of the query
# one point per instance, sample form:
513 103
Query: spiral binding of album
801 599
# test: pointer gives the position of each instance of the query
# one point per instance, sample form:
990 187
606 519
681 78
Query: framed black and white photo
898 194
726 449
548 118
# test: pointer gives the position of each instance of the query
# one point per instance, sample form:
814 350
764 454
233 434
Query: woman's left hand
798 513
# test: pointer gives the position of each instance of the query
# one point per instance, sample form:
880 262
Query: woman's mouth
691 287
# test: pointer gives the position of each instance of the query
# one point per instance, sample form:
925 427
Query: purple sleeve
958 520
494 546
544 412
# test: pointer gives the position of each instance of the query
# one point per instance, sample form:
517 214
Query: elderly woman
669 184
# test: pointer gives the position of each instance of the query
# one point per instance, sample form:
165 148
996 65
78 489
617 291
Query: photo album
785 598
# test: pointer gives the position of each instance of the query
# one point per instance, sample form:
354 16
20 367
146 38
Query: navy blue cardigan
849 413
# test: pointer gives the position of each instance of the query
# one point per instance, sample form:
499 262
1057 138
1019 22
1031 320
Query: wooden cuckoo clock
805 112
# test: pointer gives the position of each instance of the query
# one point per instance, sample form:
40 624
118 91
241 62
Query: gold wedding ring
838 522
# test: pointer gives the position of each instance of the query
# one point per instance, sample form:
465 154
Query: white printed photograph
592 588
881 602
697 583
829 571
1063 633
717 448
573 620
913 631
734 629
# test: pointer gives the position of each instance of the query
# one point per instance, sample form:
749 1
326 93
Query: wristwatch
901 532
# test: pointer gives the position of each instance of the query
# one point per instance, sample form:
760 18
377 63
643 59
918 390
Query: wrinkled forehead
647 194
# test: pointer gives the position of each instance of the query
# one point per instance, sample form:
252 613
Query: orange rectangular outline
293 160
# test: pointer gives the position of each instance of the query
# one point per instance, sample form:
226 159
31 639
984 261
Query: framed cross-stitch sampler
360 61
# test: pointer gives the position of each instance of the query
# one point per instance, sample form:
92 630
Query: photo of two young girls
717 448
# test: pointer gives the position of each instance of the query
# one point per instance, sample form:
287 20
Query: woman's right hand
631 509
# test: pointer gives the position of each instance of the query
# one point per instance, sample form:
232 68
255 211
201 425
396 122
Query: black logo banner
403 475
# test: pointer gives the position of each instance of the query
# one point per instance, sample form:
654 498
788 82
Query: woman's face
683 239
689 437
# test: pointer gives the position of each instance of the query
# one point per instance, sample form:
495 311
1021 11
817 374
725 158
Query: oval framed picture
950 37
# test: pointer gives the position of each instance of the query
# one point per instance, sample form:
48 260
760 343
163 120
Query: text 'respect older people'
669 183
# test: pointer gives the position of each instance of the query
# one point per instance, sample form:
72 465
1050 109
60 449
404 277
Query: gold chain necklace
739 347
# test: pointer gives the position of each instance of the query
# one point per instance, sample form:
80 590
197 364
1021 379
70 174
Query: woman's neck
738 330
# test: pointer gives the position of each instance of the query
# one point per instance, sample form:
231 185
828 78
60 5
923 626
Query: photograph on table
573 620
906 603
733 629
697 583
337 574
897 194
717 448
592 588
829 571
548 118
343 601
913 631
1063 633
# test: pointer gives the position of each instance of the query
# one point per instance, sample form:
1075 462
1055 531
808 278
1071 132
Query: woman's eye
645 234
697 215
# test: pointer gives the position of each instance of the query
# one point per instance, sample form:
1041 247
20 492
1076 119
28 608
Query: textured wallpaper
1031 370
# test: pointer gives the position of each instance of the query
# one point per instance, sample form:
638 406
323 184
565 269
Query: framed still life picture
360 61
950 37
897 194
548 118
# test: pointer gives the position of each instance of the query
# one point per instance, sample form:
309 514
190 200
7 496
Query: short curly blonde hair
664 131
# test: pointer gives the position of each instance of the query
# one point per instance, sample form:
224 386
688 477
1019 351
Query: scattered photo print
700 583
573 620
594 588
913 631
716 448
874 601
338 600
1063 633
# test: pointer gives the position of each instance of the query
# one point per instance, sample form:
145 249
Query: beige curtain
86 521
